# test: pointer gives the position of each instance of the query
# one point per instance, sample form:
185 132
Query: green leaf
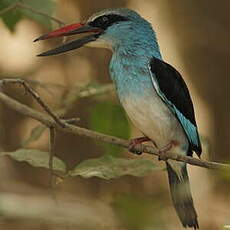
109 167
109 118
36 158
34 135
45 6
11 17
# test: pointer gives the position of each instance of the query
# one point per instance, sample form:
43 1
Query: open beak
72 29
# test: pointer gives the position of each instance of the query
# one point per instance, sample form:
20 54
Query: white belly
154 119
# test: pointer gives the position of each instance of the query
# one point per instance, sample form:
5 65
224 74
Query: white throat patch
100 43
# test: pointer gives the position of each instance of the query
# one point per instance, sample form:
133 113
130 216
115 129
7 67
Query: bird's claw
136 152
132 146
163 151
136 141
162 156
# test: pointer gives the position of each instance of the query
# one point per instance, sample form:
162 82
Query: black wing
171 87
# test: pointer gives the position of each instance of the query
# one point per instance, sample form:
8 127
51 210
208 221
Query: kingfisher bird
152 92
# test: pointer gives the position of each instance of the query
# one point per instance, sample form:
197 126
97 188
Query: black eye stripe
105 21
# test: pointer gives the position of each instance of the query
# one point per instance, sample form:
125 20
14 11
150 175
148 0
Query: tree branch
34 94
10 7
51 156
76 130
24 6
52 153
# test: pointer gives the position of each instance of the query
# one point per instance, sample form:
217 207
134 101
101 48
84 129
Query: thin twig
10 7
72 121
91 91
51 156
35 95
76 130
24 6
74 94
51 152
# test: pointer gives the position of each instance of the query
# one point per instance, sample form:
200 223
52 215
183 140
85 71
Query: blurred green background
193 36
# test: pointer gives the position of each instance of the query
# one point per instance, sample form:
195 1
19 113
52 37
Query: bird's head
110 28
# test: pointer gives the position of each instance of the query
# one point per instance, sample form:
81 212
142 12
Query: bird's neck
143 44
129 66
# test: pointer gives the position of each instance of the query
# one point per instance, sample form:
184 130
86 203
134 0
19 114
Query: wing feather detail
172 89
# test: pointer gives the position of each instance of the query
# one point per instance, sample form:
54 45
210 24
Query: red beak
67 31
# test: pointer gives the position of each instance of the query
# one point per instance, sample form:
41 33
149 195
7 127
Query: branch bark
76 130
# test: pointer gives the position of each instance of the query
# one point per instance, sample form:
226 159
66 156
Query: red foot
135 141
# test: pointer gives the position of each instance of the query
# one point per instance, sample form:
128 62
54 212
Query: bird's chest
150 115
144 107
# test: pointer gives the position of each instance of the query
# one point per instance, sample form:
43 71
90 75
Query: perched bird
152 92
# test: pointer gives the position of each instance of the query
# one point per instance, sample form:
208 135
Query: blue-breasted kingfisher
152 92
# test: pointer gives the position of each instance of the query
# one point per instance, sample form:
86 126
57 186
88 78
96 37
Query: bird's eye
105 19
